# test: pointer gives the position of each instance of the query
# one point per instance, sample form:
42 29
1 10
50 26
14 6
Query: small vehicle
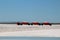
46 23
23 23
35 23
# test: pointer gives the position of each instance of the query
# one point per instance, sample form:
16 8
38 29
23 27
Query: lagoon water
29 38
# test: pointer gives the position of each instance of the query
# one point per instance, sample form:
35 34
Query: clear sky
30 10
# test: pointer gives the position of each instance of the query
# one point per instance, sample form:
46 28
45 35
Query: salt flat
33 31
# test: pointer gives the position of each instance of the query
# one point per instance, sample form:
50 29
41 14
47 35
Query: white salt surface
32 31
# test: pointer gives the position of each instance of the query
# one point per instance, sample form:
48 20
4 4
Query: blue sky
30 10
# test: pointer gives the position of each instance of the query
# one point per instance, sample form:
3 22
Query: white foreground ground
32 31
